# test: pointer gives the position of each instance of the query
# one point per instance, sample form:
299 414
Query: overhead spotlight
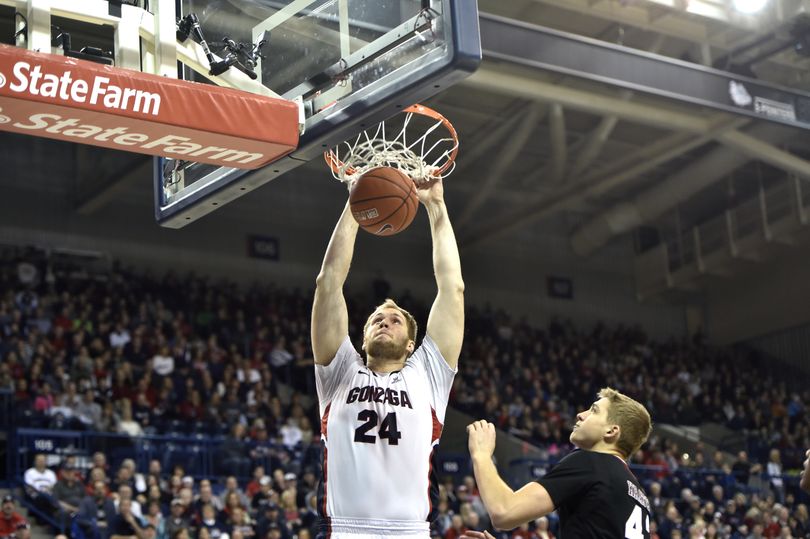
749 6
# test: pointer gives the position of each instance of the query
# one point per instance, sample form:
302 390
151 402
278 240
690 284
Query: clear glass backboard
349 64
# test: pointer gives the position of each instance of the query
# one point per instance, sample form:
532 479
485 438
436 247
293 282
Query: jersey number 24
388 428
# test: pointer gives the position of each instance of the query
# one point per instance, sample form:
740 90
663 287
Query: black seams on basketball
384 201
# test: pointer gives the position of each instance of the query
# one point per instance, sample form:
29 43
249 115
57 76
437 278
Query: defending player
595 492
381 419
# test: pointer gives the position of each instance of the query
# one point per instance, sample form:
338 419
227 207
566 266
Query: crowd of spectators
530 381
135 354
91 499
96 500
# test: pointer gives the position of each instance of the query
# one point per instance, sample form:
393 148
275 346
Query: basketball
384 201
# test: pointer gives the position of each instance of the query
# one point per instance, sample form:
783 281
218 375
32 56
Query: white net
423 147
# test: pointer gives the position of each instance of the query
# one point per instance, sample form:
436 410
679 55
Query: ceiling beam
491 137
760 149
544 50
617 174
502 161
667 150
691 23
592 146
722 33
656 199
710 9
559 146
537 90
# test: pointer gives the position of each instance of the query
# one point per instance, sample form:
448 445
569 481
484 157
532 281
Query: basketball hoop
420 142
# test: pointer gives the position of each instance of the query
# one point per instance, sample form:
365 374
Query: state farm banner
78 101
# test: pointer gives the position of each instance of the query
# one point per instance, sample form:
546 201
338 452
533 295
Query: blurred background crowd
132 357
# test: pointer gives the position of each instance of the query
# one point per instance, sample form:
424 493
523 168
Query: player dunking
595 492
381 419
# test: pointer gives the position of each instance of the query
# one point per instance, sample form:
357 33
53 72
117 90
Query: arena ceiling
540 144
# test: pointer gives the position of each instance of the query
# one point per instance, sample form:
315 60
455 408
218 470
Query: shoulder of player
610 468
595 461
581 457
606 462
418 355
427 350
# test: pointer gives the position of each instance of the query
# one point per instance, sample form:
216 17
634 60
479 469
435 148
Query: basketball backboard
349 63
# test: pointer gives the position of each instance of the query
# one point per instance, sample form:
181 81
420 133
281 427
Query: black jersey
597 496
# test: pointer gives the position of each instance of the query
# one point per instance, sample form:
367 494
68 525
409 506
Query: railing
747 219
198 455
780 201
713 235
773 213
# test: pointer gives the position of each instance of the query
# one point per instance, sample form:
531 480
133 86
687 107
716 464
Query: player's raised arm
446 321
507 508
330 318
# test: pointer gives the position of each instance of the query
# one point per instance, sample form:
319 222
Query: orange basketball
384 201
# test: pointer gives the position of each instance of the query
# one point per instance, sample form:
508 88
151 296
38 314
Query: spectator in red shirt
13 524
44 401
657 459
254 486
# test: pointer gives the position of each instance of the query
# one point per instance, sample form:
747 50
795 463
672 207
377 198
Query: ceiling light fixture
749 6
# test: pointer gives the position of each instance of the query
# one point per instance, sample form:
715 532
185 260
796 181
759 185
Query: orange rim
335 164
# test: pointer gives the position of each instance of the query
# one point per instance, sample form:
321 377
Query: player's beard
387 350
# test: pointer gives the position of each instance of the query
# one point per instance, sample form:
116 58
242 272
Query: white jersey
378 432
41 481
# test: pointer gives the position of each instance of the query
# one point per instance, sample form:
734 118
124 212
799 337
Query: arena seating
198 380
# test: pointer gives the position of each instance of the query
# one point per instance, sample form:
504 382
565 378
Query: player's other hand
805 481
481 439
430 191
469 534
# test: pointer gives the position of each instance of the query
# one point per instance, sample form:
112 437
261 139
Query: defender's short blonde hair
409 319
631 416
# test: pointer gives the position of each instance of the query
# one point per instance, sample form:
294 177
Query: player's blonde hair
409 319
632 418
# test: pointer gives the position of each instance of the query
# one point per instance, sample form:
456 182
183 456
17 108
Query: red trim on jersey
437 427
434 437
430 474
324 420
